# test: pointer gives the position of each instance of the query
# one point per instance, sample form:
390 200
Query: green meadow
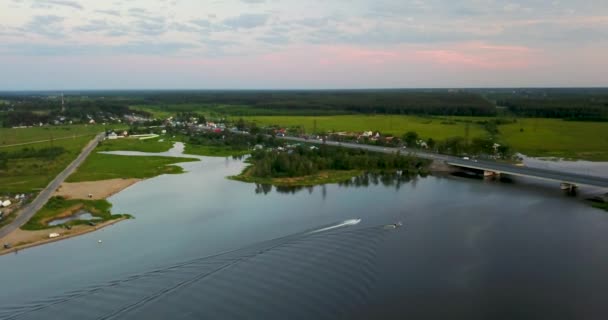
99 166
33 174
132 144
10 136
538 137
558 138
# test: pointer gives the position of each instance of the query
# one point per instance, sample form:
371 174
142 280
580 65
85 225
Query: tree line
303 160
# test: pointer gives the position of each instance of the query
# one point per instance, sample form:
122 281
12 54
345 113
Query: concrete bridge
567 180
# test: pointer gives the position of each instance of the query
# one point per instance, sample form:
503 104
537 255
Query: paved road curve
545 174
30 209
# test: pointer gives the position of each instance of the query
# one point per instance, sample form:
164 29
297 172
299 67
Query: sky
302 44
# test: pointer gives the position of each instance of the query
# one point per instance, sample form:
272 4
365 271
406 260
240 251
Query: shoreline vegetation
303 165
59 208
86 190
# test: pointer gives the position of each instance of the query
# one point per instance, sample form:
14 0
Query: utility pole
62 104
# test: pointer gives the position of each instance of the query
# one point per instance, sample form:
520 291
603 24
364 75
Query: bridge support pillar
488 173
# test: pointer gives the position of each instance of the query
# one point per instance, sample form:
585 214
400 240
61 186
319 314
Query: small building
6 203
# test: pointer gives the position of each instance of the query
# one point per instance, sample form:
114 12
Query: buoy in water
99 241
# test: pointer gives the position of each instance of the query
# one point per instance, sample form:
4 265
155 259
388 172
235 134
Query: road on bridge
28 211
545 174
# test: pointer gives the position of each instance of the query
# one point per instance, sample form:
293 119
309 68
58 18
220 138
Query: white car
465 158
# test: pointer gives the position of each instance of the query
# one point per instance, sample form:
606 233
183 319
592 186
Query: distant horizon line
301 89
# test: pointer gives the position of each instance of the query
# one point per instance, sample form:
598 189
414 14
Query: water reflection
387 179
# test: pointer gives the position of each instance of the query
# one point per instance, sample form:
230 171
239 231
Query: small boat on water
395 225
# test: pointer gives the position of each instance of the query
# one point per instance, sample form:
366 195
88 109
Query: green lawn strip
33 174
59 207
323 177
133 144
214 151
108 166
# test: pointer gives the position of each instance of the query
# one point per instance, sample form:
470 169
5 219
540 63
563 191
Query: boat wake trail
345 223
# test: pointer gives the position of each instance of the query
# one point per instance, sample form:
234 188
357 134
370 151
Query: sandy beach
97 189
22 239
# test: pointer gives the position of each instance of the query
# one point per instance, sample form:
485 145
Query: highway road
28 211
504 168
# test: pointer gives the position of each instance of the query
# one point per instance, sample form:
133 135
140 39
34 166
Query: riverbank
24 239
21 239
83 195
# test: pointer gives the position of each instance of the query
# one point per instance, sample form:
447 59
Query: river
468 247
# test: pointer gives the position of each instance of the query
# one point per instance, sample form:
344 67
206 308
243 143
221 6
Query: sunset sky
267 44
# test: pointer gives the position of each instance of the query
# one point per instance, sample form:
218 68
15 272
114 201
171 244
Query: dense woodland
572 104
363 101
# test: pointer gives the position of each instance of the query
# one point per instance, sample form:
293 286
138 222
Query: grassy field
100 166
323 177
558 138
33 174
10 136
432 127
58 207
539 137
148 145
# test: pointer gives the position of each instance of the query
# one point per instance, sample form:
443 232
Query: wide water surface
468 248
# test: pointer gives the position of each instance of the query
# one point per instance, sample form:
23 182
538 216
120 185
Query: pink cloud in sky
320 66
480 55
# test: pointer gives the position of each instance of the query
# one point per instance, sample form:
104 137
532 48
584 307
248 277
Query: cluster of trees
302 161
32 110
232 140
187 115
25 118
49 153
477 146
